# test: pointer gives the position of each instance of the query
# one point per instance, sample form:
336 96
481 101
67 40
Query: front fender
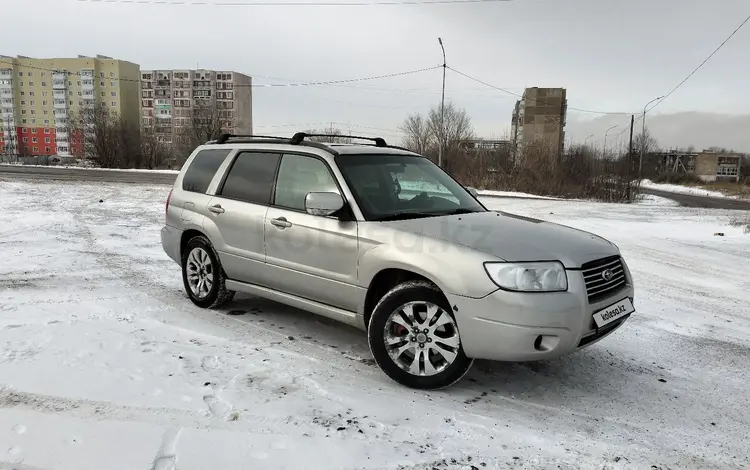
453 268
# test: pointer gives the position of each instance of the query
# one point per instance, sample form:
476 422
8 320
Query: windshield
389 187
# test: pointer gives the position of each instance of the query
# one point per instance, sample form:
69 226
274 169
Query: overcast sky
611 55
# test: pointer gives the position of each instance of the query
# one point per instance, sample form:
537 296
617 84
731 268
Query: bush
578 173
677 178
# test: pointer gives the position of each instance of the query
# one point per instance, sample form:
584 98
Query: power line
521 96
701 64
269 85
723 43
345 3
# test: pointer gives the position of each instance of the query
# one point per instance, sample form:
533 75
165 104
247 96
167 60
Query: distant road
692 200
145 177
74 174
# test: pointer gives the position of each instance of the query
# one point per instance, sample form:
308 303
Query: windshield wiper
460 211
405 216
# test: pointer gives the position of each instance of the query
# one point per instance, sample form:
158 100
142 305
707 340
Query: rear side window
251 177
202 170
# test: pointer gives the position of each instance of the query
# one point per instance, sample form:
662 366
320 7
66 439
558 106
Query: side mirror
473 192
323 204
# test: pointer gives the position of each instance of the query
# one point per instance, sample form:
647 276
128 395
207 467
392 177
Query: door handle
217 209
281 222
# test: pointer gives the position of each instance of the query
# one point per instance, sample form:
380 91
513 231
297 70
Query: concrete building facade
39 97
539 118
713 166
172 99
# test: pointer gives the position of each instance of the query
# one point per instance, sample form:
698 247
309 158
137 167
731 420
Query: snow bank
677 188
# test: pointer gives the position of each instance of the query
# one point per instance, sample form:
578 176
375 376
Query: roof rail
223 138
300 136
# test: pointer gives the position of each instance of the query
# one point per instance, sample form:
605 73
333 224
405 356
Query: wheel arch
188 235
385 280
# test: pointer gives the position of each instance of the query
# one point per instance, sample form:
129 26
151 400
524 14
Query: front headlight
548 276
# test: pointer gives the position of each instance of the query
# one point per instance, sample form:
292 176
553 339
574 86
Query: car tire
389 313
200 261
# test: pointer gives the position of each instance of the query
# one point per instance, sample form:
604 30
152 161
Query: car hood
513 237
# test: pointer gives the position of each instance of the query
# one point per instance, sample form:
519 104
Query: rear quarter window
202 169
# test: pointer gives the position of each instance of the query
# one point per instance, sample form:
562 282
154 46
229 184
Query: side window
299 175
202 170
250 178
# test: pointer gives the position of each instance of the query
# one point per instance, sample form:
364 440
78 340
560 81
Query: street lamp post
442 111
587 138
605 139
643 138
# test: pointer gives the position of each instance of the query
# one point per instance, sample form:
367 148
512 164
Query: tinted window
250 178
299 175
202 170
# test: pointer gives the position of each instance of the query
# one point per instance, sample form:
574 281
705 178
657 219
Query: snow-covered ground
105 364
678 188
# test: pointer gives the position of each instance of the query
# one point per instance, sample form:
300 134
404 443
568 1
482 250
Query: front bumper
513 326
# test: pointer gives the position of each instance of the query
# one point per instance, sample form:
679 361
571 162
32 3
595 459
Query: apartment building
539 118
172 100
38 98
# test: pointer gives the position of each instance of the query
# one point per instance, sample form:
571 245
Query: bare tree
329 135
418 135
206 122
645 140
153 150
423 132
108 140
456 127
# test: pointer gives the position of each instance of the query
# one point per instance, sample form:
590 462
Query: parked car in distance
383 239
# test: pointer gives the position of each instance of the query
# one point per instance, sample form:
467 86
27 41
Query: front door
310 256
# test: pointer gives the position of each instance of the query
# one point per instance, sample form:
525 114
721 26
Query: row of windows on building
113 104
85 73
70 93
148 85
47 150
112 84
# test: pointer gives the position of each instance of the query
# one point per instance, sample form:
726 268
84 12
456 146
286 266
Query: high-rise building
174 100
539 118
39 97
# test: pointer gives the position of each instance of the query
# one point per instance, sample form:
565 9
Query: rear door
235 215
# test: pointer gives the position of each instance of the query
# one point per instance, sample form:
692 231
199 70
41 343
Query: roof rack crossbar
223 138
300 136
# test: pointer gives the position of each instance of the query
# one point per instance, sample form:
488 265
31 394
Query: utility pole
643 138
630 158
442 111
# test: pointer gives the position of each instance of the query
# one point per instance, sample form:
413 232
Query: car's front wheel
202 274
414 337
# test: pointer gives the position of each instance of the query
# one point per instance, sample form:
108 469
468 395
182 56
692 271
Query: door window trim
223 179
330 172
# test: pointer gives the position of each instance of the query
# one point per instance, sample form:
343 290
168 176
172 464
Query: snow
677 188
650 199
104 362
488 193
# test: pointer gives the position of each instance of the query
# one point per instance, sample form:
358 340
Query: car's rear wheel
202 274
414 337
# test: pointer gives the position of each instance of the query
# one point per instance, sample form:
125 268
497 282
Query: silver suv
381 238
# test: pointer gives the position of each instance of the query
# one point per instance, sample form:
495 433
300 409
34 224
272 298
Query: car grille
599 288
